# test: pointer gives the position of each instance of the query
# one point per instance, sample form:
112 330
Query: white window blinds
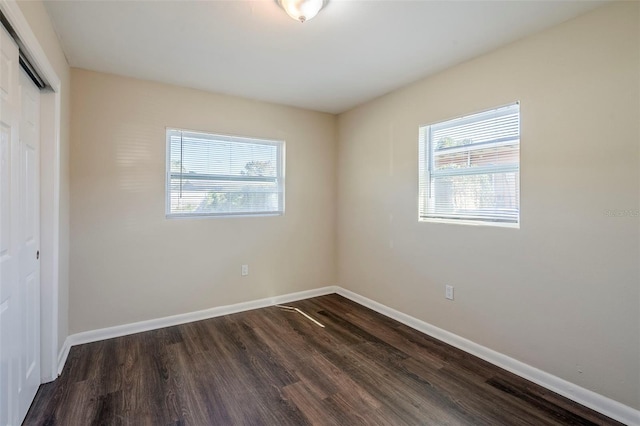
215 175
470 168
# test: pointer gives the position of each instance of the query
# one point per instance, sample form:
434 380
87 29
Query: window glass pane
487 196
222 175
470 168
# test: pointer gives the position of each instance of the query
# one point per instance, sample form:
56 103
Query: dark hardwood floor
275 367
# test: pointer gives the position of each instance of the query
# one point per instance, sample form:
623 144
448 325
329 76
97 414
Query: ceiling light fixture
302 10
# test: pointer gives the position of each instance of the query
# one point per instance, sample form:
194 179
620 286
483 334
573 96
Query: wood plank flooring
275 367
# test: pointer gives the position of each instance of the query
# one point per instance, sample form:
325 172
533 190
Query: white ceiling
353 51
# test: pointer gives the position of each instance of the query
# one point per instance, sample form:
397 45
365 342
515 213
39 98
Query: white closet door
9 227
19 236
29 270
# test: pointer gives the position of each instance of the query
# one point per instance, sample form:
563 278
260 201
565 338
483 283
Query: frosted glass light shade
301 10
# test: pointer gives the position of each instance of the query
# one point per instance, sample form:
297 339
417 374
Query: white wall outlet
448 292
245 270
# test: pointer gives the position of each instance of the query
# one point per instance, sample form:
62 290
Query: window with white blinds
470 168
215 175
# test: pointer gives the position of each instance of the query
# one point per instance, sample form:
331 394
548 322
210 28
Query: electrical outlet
448 292
245 270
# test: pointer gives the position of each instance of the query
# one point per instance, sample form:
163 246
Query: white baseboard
154 324
63 355
595 401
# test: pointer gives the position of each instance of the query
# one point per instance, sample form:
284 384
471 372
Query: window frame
427 174
280 168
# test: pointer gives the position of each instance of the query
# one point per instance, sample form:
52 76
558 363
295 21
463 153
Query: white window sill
471 223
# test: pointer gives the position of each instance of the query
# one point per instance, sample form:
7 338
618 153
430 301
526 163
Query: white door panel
29 272
19 236
9 227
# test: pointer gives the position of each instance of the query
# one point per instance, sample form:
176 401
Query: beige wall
129 263
561 293
38 19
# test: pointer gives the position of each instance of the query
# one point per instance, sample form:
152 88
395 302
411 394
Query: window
470 169
214 175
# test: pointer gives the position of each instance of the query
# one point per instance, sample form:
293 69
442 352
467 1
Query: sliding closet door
9 227
19 236
28 290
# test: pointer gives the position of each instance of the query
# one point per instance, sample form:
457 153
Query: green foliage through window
214 175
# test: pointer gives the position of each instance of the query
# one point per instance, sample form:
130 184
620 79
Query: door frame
50 353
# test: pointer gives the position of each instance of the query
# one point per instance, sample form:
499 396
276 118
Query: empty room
327 212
